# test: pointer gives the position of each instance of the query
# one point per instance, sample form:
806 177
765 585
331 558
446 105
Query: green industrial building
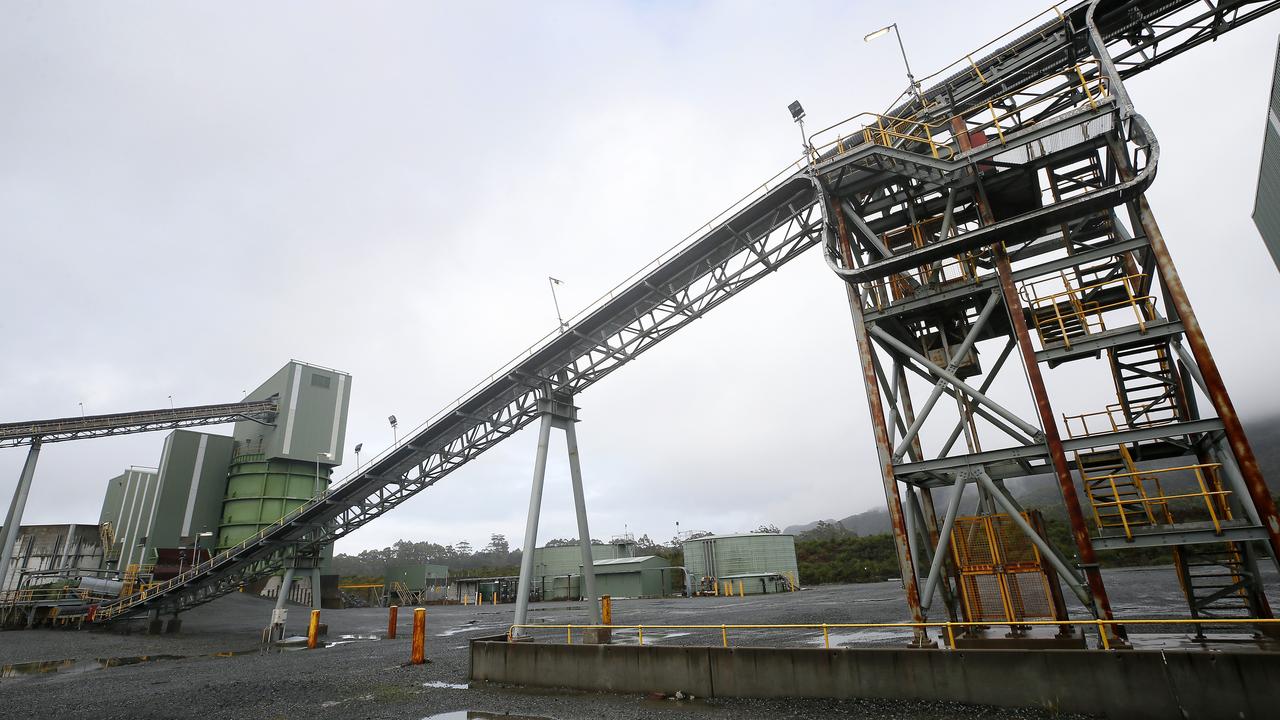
753 563
557 571
415 576
212 491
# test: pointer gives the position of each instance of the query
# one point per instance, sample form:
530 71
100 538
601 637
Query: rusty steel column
1079 530
884 450
1048 424
1217 389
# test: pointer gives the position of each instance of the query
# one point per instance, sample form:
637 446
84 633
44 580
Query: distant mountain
1040 491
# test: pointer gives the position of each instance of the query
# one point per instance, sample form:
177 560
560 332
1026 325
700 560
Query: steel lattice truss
765 234
92 426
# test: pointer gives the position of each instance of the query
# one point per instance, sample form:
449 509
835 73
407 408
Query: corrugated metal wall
1266 208
728 555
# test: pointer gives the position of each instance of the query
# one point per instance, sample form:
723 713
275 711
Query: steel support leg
584 534
276 630
883 448
13 520
944 541
1100 603
531 528
315 588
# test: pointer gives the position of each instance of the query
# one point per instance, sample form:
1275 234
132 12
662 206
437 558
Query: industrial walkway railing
1107 640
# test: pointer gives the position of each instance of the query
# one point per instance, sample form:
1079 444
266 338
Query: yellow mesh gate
1002 578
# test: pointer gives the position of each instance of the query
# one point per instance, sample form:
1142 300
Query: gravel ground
367 678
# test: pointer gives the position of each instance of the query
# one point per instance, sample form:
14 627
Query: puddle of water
467 628
445 686
481 715
347 639
75 667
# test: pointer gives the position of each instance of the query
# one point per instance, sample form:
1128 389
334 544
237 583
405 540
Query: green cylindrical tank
261 491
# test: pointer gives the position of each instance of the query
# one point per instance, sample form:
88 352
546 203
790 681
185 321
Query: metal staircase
1218 580
1147 384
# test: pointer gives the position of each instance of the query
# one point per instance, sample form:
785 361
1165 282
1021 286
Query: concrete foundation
1127 684
173 626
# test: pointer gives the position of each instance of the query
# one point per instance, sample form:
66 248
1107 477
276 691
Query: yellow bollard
606 610
419 636
741 594
479 598
313 630
391 621
495 597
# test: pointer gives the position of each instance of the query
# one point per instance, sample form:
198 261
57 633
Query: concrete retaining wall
1124 684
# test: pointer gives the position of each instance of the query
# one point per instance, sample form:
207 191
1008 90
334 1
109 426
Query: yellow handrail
948 626
1094 90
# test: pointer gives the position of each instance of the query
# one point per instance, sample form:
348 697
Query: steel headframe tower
1003 216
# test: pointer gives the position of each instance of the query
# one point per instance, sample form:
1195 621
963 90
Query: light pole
359 446
554 282
915 87
319 457
395 440
797 116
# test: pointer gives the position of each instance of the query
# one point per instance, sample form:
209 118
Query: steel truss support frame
558 413
774 226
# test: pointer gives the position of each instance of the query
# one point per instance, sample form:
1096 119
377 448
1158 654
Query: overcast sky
191 194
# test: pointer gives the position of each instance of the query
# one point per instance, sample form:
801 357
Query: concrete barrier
1120 684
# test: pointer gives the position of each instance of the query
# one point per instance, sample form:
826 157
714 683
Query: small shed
415 576
634 577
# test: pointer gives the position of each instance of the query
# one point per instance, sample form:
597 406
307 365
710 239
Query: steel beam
13 520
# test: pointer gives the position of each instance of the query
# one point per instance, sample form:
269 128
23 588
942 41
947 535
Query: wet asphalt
216 668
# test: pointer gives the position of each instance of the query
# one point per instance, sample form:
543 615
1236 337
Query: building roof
737 535
625 560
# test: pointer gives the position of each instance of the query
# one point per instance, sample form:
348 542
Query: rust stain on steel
883 449
1217 389
1079 530
1067 486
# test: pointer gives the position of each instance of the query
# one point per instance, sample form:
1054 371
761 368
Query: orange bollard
391 622
419 636
495 597
479 598
313 630
606 610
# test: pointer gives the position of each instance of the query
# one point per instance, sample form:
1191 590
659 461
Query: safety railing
1105 629
1075 312
993 123
1112 419
1138 498
36 596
